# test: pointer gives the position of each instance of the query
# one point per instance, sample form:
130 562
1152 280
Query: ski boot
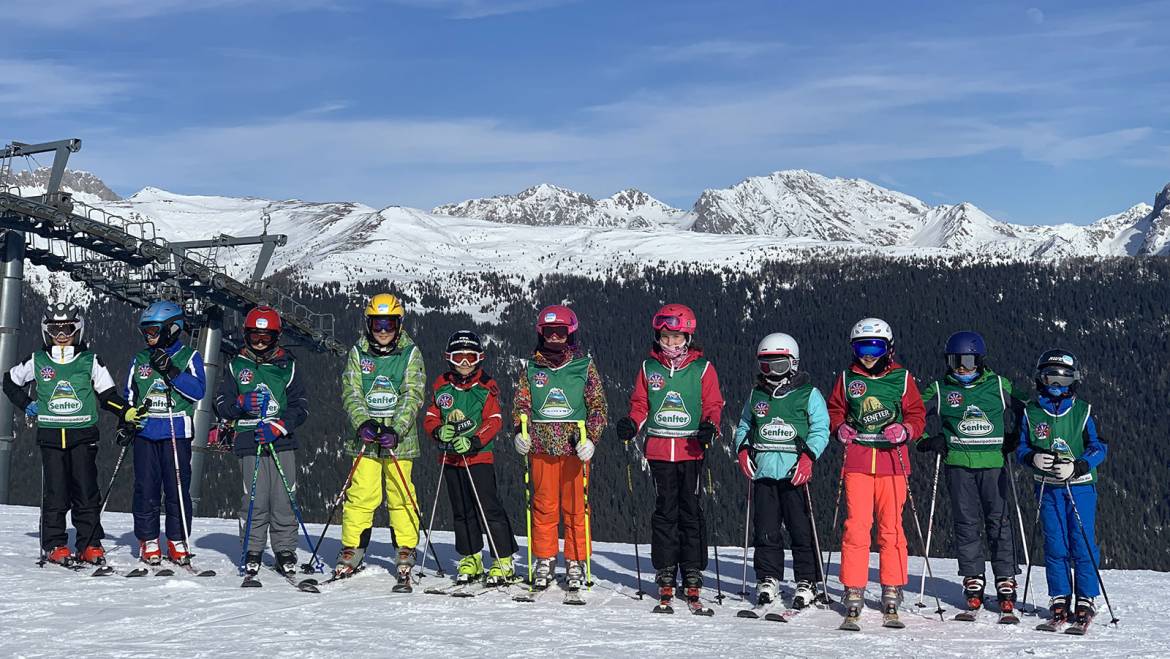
853 601
544 574
767 591
470 569
177 552
404 563
1059 608
574 575
891 598
666 586
1005 594
805 595
252 561
973 597
693 587
94 555
501 573
1086 609
149 552
61 556
349 561
286 563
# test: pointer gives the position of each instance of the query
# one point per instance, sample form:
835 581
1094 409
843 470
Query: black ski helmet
1060 369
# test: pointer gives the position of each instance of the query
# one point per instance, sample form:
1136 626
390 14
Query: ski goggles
260 336
964 362
875 348
775 364
57 330
152 331
383 323
559 331
673 323
1057 376
464 358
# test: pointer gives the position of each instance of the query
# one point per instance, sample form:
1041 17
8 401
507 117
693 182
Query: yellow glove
135 416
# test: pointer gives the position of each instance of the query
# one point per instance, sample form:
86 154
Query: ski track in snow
52 612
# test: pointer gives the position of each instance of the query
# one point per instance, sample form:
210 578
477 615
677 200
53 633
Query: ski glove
1043 460
745 464
161 362
585 450
523 443
896 433
461 444
1063 469
803 473
626 429
445 433
124 436
31 409
388 440
252 403
1011 442
936 443
707 432
846 434
369 430
135 416
270 431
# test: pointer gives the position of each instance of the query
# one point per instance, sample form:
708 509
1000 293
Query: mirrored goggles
383 323
775 365
549 331
260 336
151 331
1057 376
965 362
61 329
870 348
465 358
668 322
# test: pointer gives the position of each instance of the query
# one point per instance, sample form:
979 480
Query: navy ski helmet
966 350
163 319
1058 372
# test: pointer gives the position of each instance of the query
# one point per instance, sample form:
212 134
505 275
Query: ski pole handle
524 425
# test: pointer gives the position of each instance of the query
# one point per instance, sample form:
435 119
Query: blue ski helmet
163 318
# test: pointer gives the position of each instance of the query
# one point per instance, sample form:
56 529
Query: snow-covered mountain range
785 215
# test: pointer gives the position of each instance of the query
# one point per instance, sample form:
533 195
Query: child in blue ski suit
1059 441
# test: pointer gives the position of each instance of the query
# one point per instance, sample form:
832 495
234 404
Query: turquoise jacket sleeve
818 423
745 424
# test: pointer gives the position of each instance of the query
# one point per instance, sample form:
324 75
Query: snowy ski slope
53 612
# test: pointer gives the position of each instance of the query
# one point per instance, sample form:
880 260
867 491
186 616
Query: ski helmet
872 337
384 313
965 350
464 349
554 316
62 319
163 319
1058 372
778 355
677 318
262 321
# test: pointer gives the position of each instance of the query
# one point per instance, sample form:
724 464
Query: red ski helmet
676 318
554 315
263 318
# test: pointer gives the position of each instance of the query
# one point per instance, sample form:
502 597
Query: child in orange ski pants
557 484
866 494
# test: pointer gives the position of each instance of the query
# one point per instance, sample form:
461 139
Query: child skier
874 409
168 377
676 398
977 409
70 384
1059 440
464 417
783 428
382 391
261 393
558 389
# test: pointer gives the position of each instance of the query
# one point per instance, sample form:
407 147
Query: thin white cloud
37 88
74 13
473 9
714 49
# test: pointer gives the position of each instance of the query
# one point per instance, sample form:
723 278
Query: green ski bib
558 394
972 421
265 378
675 400
382 377
1063 434
457 405
777 423
65 392
150 387
874 403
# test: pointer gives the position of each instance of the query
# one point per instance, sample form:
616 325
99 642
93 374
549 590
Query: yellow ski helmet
385 304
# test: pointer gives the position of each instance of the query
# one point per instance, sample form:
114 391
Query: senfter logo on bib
778 430
273 407
64 400
856 389
975 422
382 397
673 412
556 405
873 413
156 396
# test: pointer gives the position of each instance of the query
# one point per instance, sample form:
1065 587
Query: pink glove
803 473
745 465
896 433
846 434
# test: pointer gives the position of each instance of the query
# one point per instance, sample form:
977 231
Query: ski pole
747 521
1090 548
817 543
479 504
106 496
292 499
307 566
178 477
527 495
930 522
836 509
413 505
718 578
634 516
1035 528
585 495
1019 515
251 505
918 526
434 509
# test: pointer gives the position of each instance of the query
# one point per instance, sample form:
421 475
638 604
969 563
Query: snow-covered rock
548 205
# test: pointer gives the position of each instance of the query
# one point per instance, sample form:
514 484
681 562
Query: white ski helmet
778 354
872 328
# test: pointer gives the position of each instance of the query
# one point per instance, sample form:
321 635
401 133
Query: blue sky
1037 112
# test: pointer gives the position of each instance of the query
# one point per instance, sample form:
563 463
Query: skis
156 570
1008 618
191 569
970 615
573 597
783 616
1052 625
757 611
849 624
696 607
891 620
1079 628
